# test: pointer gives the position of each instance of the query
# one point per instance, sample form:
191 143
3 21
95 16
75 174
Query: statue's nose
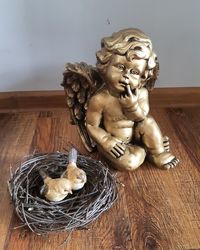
126 76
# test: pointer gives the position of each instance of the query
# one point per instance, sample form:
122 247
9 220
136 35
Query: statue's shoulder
143 92
100 95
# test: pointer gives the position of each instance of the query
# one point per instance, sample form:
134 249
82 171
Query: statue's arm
93 120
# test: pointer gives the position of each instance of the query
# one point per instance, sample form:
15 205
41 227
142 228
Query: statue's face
121 72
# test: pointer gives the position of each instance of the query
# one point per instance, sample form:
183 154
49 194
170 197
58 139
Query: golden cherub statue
110 103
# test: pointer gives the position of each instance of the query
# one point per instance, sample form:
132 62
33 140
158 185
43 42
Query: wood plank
52 134
55 99
15 136
175 97
156 209
165 204
31 100
186 175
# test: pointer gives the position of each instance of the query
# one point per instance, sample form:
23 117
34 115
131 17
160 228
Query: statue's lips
123 83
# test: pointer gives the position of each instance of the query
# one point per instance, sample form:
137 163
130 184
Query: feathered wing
80 82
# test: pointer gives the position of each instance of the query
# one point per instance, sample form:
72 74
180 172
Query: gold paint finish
111 104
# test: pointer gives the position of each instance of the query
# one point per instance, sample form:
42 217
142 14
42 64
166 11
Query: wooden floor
156 209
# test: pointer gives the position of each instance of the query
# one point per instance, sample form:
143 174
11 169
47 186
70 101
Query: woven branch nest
76 210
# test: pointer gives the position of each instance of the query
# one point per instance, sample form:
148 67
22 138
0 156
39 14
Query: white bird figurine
75 175
55 189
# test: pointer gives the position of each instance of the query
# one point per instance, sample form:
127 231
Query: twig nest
76 210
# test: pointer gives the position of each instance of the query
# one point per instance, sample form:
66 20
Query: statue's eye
120 66
134 72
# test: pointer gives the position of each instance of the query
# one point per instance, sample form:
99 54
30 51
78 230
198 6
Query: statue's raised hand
129 98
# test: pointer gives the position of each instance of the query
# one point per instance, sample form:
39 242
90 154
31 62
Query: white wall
37 37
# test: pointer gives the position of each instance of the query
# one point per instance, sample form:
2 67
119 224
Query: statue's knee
149 121
132 164
142 126
131 167
134 160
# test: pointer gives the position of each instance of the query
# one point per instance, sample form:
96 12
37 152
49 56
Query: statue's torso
115 121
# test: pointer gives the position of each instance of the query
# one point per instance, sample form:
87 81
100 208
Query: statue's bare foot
166 143
164 160
171 164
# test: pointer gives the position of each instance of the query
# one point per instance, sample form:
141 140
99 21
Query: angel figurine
110 103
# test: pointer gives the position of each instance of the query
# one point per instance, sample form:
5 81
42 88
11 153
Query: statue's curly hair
134 44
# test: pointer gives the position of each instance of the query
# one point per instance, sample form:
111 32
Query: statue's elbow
88 125
90 128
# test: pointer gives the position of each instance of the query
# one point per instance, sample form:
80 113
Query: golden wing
80 82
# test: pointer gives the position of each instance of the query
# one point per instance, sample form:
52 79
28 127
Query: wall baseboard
55 99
